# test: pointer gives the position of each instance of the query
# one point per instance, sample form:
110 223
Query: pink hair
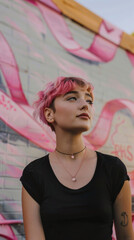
61 86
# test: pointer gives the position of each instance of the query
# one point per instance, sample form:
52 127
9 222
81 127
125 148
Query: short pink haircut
54 89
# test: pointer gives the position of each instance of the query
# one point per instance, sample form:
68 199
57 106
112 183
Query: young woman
74 192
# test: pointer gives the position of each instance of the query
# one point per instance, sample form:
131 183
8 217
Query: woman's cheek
92 112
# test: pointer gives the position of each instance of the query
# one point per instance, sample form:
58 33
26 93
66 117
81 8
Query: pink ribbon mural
100 51
15 109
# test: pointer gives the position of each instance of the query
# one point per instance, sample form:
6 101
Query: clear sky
118 12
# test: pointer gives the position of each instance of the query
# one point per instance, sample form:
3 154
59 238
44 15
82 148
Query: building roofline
91 21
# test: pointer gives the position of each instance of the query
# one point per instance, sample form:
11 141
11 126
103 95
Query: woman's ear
49 115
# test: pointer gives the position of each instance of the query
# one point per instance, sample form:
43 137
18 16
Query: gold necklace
73 177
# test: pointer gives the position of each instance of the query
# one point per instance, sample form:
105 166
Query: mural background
37 44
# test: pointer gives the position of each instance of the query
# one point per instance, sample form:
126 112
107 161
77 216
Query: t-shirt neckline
78 189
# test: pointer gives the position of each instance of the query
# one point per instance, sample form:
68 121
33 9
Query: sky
118 12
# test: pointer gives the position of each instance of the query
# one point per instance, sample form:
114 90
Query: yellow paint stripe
90 20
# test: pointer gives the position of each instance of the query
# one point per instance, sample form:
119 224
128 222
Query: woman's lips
84 115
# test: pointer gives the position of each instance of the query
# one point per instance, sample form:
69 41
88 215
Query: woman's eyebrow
87 94
70 93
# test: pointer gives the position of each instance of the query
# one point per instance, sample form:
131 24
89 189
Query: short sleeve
30 182
119 175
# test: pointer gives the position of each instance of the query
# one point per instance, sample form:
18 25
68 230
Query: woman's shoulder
37 163
109 159
32 177
112 164
104 158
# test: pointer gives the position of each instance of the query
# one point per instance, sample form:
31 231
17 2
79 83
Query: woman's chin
76 129
80 129
84 127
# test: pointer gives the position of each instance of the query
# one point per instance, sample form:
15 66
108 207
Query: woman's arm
123 214
31 217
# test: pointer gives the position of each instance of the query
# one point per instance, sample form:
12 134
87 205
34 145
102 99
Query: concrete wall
32 52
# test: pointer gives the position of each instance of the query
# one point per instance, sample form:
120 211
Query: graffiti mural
37 44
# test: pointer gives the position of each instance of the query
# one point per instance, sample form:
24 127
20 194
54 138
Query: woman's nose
83 104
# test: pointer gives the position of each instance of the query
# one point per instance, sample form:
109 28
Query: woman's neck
69 143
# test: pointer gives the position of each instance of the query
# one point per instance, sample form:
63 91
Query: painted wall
37 44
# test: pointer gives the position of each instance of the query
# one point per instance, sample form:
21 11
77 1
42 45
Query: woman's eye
74 98
90 102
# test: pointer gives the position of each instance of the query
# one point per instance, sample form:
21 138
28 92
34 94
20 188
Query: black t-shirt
76 214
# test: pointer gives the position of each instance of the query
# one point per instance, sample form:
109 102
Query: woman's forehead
78 88
82 88
86 90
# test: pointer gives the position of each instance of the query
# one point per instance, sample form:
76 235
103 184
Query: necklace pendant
72 156
74 179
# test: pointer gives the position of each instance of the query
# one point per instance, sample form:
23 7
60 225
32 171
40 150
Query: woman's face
74 110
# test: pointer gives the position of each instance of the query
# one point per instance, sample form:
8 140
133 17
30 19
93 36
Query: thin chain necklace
72 154
73 177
